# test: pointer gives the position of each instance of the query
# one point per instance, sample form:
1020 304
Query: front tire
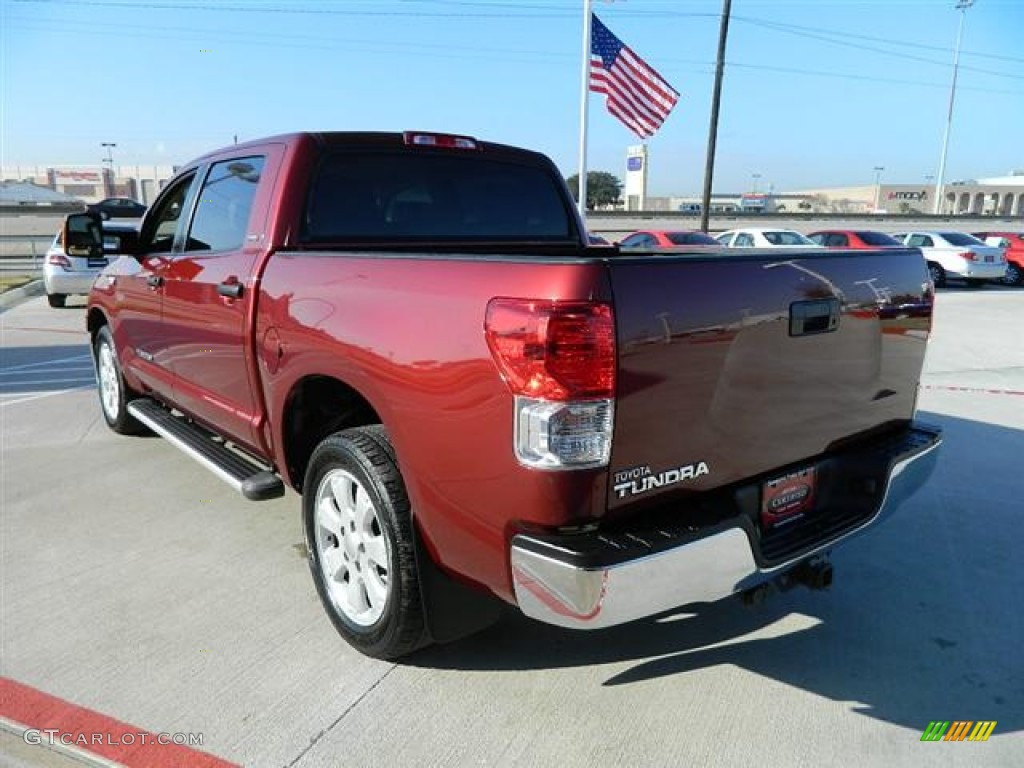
114 393
56 300
359 534
937 274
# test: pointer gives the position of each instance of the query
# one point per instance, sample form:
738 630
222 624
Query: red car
665 238
849 238
1013 243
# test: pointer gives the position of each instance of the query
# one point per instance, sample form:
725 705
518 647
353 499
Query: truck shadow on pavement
919 626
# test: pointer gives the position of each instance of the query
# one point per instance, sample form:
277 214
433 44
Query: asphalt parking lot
137 586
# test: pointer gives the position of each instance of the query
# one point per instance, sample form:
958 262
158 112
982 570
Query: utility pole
878 186
962 6
709 163
108 181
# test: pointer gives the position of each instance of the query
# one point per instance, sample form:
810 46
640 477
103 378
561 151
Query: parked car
665 238
596 239
118 208
764 237
957 255
67 274
1012 244
413 332
854 238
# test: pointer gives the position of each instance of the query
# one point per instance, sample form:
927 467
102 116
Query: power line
887 41
907 56
437 50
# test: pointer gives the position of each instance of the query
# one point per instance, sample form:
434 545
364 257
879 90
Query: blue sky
816 92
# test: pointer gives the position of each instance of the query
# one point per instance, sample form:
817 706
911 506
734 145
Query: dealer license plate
786 499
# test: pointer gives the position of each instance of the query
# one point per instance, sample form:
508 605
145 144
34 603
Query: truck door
139 282
209 298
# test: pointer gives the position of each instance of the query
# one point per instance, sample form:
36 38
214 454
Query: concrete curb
16 296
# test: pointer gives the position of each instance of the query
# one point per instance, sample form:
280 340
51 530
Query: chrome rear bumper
554 585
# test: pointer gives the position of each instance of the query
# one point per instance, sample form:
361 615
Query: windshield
785 237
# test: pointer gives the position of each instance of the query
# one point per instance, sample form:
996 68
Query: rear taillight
58 260
969 256
558 359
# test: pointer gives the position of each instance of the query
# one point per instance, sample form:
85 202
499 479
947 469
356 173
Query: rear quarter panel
407 333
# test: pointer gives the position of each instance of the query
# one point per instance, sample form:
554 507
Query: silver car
65 275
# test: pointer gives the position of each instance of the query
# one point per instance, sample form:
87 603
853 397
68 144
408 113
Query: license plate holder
787 498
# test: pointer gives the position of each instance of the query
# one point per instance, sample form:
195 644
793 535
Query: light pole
878 186
962 6
108 181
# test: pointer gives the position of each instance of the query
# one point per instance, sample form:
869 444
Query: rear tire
56 300
359 535
114 393
937 274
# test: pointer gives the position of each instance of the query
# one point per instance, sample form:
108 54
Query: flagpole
584 99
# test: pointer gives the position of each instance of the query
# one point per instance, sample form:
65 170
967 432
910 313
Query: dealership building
90 184
999 196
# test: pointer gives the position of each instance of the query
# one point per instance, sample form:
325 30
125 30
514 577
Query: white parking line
75 379
11 368
40 396
43 372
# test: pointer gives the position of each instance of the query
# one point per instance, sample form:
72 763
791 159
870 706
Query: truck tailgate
736 365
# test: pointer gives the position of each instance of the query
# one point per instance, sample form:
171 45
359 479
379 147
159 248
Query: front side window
744 241
225 202
158 236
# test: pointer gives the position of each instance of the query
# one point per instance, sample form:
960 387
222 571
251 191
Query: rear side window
402 196
691 238
782 237
959 238
225 201
877 238
639 240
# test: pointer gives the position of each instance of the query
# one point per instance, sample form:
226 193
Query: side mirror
83 234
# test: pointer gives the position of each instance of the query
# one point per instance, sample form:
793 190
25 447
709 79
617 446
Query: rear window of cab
401 196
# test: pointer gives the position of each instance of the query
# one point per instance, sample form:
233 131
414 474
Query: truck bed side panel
408 334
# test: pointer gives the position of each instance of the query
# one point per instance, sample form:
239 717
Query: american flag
634 92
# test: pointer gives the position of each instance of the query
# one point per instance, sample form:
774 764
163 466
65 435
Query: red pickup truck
412 331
